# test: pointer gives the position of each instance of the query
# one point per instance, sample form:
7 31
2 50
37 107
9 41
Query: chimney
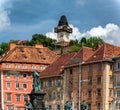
12 45
38 46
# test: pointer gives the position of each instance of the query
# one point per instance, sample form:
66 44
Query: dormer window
44 58
25 58
22 51
39 52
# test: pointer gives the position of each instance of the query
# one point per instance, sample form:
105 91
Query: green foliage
51 43
3 48
91 42
41 39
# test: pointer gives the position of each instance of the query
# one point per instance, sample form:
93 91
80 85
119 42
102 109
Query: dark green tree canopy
51 43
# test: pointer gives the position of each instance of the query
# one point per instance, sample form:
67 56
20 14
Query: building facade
116 83
16 68
87 75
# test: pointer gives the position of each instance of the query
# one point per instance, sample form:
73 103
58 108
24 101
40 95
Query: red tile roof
57 67
29 54
106 51
81 56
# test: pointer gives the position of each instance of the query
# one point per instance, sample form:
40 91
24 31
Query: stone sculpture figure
67 106
84 106
36 82
28 105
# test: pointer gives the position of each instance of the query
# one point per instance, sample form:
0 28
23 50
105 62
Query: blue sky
20 19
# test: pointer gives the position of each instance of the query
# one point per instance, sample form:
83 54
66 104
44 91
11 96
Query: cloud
110 33
4 15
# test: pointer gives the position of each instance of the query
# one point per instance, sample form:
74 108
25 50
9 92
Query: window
110 92
58 95
9 96
98 92
98 106
90 80
25 97
89 94
118 65
17 66
8 74
90 68
111 79
58 82
71 71
18 97
24 86
70 83
25 75
70 95
89 106
33 67
42 67
44 58
22 51
9 107
42 84
110 106
17 85
99 80
17 75
7 65
24 66
49 83
18 108
99 66
58 107
25 58
49 107
118 93
8 84
49 97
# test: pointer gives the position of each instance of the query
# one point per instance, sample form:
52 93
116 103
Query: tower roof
63 21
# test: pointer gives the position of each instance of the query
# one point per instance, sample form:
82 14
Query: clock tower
63 31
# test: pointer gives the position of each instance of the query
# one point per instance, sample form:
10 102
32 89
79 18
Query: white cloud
110 33
4 15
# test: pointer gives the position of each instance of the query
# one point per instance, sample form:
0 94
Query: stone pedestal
37 100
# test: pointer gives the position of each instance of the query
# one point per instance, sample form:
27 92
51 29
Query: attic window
25 58
44 58
40 52
22 51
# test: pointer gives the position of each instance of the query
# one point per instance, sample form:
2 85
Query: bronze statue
36 82
68 106
28 105
84 106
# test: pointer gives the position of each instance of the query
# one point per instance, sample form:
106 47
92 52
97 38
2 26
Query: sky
20 19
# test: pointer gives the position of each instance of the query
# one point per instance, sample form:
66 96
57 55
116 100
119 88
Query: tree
92 41
3 47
